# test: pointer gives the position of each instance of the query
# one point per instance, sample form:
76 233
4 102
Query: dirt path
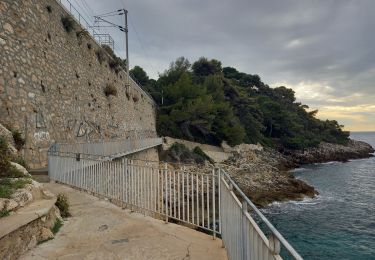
100 230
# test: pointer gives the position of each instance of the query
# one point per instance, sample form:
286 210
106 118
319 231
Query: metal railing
143 186
240 233
107 150
209 201
104 39
81 20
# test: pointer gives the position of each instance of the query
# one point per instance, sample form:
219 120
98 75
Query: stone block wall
52 83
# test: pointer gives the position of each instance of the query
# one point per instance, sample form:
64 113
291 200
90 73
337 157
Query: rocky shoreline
264 174
327 152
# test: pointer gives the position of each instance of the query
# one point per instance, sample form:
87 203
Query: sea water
340 222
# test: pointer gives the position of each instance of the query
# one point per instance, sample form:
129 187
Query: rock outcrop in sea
326 152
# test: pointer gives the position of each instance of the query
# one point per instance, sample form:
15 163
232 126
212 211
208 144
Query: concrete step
41 178
40 175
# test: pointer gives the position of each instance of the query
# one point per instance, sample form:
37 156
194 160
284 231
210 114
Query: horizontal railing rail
111 149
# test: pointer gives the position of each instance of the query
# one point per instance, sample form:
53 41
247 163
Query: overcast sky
324 50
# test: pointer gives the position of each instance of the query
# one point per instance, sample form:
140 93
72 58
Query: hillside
207 103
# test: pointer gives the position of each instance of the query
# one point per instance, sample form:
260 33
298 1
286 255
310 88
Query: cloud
322 49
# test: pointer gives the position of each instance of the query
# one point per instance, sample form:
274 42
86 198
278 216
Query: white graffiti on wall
41 136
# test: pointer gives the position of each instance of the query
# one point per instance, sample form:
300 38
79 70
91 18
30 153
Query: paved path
101 230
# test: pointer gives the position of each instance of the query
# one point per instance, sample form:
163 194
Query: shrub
21 161
8 186
116 63
13 172
18 139
198 151
56 227
110 90
113 64
81 34
4 213
180 153
135 99
4 157
100 54
68 23
5 191
49 8
63 204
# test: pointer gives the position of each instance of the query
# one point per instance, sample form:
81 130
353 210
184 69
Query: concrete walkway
100 230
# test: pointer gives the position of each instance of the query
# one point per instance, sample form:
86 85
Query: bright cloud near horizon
323 50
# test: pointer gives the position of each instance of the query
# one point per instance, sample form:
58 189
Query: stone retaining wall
52 83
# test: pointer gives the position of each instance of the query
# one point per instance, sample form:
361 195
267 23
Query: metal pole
127 47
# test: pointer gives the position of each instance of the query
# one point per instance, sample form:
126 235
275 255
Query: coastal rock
326 152
22 197
45 234
11 205
9 138
263 175
260 175
21 169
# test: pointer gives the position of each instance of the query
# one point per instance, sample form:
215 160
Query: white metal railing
107 149
145 186
241 235
208 201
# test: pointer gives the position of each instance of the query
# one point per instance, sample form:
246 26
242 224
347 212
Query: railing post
274 244
213 203
219 204
166 191
219 197
124 182
244 230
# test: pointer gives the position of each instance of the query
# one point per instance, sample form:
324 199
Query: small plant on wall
82 34
49 8
68 23
18 139
110 90
100 54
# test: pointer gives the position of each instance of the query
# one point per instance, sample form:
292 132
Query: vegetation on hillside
179 153
206 103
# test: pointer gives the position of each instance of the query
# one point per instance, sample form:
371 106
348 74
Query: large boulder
21 169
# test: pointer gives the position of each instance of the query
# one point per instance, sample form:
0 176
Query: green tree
140 75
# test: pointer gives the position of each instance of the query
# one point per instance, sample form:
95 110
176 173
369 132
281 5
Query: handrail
274 231
104 150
